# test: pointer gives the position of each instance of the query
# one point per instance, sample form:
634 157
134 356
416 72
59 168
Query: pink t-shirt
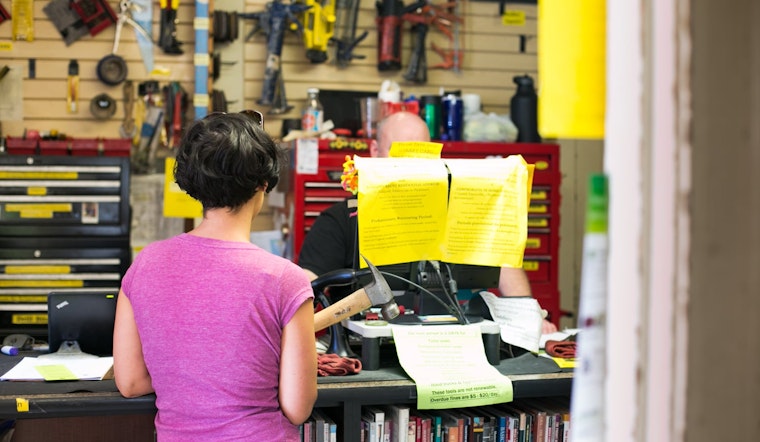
210 316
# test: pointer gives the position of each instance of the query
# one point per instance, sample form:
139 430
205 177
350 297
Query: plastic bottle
313 114
523 110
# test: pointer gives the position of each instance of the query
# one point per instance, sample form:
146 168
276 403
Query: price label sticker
22 405
513 18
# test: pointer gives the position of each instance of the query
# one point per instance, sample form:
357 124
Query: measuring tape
23 20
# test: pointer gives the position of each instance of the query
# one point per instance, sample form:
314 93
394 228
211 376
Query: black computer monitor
83 317
342 107
418 287
467 276
440 287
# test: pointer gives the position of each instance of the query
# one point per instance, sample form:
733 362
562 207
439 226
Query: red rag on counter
330 364
560 349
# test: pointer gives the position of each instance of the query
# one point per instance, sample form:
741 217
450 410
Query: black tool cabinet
64 225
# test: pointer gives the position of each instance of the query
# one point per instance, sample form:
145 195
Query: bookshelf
345 400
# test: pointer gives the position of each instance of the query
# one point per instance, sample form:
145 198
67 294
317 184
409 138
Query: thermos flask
523 110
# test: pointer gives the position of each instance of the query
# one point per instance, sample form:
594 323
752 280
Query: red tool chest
315 187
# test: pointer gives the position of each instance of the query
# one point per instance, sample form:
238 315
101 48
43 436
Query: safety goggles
255 116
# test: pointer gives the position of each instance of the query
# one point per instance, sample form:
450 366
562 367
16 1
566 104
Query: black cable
349 276
445 305
449 295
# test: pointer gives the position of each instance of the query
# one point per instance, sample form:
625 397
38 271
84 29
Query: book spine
411 430
437 428
418 429
426 429
403 425
502 435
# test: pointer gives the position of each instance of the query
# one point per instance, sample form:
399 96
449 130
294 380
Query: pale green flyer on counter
449 366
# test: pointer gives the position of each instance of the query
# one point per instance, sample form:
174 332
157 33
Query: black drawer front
64 196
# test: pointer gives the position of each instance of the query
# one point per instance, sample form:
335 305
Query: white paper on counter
519 318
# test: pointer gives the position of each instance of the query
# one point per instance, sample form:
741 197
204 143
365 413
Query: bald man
332 241
400 126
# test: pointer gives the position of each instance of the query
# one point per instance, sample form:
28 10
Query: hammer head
379 293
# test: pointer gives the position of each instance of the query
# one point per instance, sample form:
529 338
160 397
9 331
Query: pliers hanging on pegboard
452 59
422 18
125 16
112 69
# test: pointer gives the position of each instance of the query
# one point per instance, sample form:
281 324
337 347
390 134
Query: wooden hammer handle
346 307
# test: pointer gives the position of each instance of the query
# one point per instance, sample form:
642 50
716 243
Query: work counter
532 376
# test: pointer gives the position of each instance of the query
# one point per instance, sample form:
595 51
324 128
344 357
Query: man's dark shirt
331 243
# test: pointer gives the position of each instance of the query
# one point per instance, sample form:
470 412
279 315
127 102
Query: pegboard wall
495 48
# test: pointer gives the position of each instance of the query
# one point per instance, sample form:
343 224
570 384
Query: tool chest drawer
40 265
63 196
32 267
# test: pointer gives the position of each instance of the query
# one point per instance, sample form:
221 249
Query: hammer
377 292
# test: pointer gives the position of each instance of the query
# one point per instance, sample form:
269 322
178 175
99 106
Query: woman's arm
298 366
130 373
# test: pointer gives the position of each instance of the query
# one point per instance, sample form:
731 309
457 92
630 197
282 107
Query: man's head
399 126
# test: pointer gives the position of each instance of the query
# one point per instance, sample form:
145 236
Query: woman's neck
225 225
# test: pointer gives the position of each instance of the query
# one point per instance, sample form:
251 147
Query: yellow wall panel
572 61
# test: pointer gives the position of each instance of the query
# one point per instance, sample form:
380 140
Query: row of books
526 420
320 427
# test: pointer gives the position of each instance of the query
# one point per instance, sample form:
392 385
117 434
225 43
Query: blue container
452 116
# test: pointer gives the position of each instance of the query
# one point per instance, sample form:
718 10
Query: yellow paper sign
415 149
487 217
177 203
402 208
407 212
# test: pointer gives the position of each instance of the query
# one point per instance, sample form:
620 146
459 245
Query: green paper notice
449 366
